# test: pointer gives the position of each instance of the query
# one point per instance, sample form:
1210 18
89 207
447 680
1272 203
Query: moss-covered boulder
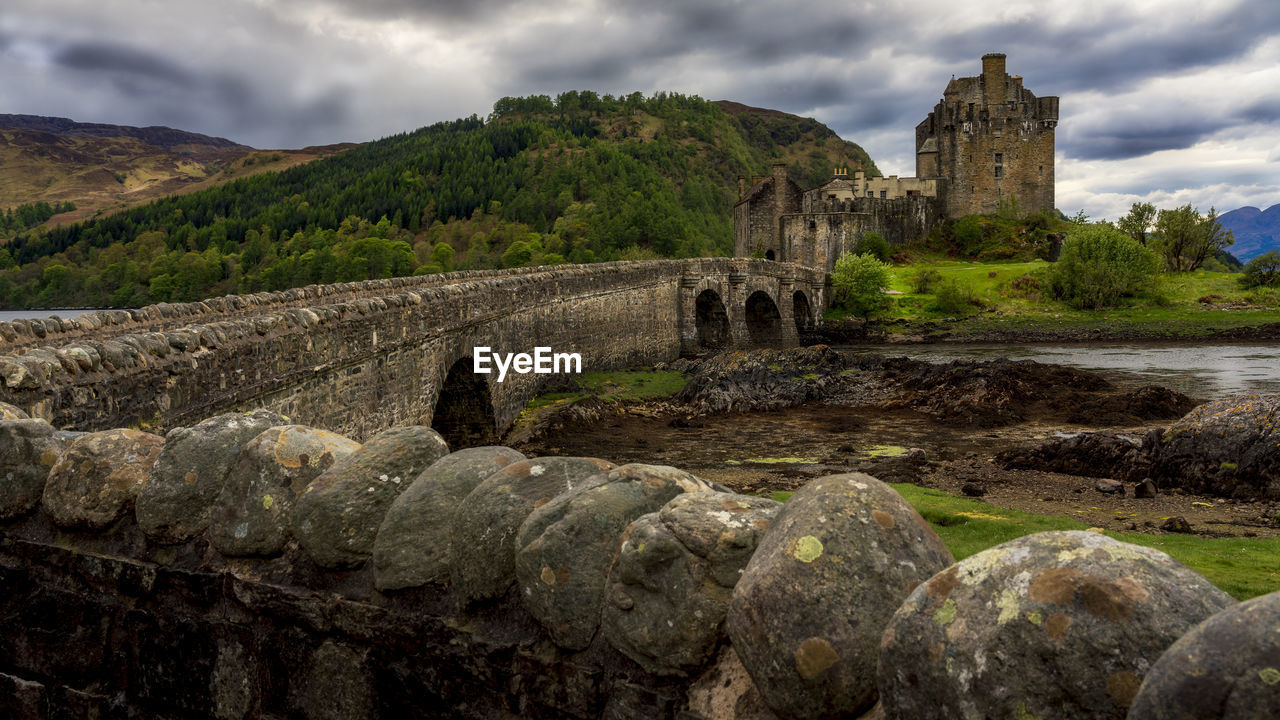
251 514
98 477
28 450
1227 447
1225 668
807 615
338 515
412 546
567 545
1051 625
191 470
483 548
670 586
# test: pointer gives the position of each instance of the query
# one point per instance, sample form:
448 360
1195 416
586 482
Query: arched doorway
764 322
712 320
802 312
770 256
464 411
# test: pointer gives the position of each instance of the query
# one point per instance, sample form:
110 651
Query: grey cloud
127 61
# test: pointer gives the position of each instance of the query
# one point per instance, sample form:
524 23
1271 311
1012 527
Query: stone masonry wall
375 358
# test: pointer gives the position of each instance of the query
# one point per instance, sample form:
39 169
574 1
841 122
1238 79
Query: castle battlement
988 142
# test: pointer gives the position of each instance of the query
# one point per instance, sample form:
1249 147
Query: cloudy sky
1162 100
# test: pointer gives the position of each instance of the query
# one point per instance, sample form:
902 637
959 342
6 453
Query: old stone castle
989 141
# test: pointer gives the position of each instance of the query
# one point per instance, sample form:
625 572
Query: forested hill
577 178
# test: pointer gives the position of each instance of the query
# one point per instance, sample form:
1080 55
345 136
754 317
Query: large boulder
1227 447
251 514
1100 454
807 615
191 470
99 476
412 546
1225 668
1051 625
567 545
482 551
28 450
338 515
670 586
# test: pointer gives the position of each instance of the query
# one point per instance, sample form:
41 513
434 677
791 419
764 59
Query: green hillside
577 178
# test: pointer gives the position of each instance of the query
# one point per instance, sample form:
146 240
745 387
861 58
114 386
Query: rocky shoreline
854 332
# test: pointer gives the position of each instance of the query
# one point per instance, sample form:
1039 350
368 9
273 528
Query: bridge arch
711 318
802 311
763 319
464 414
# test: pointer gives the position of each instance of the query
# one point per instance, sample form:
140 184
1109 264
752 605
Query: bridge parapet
360 357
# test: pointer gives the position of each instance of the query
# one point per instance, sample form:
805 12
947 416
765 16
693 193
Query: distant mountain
100 167
1256 231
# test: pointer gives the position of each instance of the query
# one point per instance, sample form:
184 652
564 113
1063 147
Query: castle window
999 171
813 224
1041 171
999 158
884 193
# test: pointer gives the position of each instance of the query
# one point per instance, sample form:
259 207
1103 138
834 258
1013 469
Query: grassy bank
975 298
1243 567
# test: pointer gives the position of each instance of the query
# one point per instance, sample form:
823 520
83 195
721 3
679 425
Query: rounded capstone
98 477
482 553
251 514
567 545
670 586
338 515
807 615
1051 625
28 450
1225 668
412 546
191 470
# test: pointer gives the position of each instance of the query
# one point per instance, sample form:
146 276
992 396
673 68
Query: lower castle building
988 143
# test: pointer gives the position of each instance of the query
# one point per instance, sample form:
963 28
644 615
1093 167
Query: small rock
973 490
190 471
567 545
1176 524
1145 489
412 547
12 412
337 517
98 478
251 514
28 449
1109 487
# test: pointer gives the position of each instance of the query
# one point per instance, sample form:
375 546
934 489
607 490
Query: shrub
1099 265
956 298
967 232
873 243
924 279
1262 271
859 282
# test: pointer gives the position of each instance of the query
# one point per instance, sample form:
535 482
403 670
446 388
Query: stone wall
360 357
408 581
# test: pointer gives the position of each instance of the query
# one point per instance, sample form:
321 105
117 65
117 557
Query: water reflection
1197 370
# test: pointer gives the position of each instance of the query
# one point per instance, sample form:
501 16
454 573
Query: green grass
1243 567
628 385
1173 310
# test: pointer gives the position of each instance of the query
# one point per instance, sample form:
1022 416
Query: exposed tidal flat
65 313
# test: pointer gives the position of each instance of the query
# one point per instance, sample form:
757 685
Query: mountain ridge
1256 231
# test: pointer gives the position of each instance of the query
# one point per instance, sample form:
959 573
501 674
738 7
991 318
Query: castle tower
989 141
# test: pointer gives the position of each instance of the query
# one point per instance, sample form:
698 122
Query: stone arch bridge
358 358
